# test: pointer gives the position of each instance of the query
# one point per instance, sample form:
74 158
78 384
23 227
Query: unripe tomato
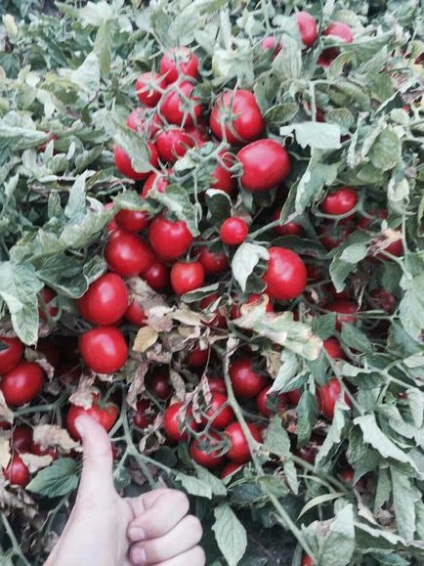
21 439
236 117
22 384
174 422
239 448
156 182
266 164
47 303
135 314
157 276
127 254
206 450
17 472
344 311
132 220
285 276
11 354
340 201
180 107
145 413
105 301
148 88
106 415
307 28
333 349
124 165
213 262
327 396
271 403
222 176
103 349
218 413
172 144
233 231
178 61
246 381
169 239
187 276
159 384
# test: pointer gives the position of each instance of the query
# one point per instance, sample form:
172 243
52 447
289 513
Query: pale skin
105 529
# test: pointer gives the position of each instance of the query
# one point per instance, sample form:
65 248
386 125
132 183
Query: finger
97 457
180 539
163 510
195 557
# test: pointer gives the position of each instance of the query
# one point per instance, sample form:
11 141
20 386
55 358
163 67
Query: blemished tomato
172 144
233 231
229 469
239 448
103 349
345 311
270 403
47 303
307 28
21 439
135 314
187 276
17 472
219 320
145 413
266 164
180 107
247 382
157 276
159 384
333 349
307 561
178 61
236 117
327 396
132 220
106 415
174 422
213 262
381 299
340 201
155 182
285 276
11 354
222 176
169 239
206 450
22 384
124 165
218 413
127 254
148 88
198 357
105 301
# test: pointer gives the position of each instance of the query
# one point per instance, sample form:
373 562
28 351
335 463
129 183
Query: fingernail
80 427
137 533
139 556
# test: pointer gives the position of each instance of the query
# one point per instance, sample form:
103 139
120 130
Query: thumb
96 474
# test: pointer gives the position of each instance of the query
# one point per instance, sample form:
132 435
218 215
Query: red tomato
239 448
213 262
309 451
144 123
127 254
22 384
217 385
233 231
180 107
307 561
106 415
294 396
270 403
236 117
271 44
218 413
206 451
333 349
222 176
145 413
287 229
159 384
21 439
169 239
198 134
132 220
391 243
178 61
49 451
11 354
381 299
135 120
47 303
198 357
327 396
124 165
332 234
157 276
285 276
340 201
229 469
174 422
135 314
339 30
149 87
265 164
307 28
172 144
344 311
105 301
17 472
219 320
103 349
187 276
245 379
156 182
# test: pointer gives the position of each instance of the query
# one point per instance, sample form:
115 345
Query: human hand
105 529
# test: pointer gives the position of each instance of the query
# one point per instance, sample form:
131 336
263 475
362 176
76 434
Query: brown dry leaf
160 319
144 295
83 395
273 362
6 414
178 384
145 338
137 386
5 454
52 435
159 355
188 317
34 462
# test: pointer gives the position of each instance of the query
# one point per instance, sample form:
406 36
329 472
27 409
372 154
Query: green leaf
405 496
314 134
103 46
316 176
230 534
337 543
288 63
306 417
334 436
76 201
217 486
194 486
287 370
177 201
56 480
356 339
386 150
277 440
219 205
245 260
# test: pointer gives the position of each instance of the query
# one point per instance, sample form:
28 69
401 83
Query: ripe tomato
239 448
157 276
340 201
135 314
17 472
229 469
271 44
22 384
198 134
233 231
169 239
219 320
222 176
217 385
11 354
135 120
332 235
172 144
333 349
180 107
103 349
127 254
148 88
339 30
390 241
175 422
327 396
206 450
285 276
265 164
132 220
187 276
145 413
178 61
307 28
106 415
270 403
287 229
144 123
198 357
213 262
159 384
294 396
21 439
218 413
236 117
156 182
124 165
381 299
245 379
307 561
309 451
344 311
49 451
105 301
47 303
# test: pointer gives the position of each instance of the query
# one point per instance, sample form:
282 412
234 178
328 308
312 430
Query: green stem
16 547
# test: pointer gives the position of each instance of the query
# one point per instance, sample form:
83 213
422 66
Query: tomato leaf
57 480
230 534
314 134
245 260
